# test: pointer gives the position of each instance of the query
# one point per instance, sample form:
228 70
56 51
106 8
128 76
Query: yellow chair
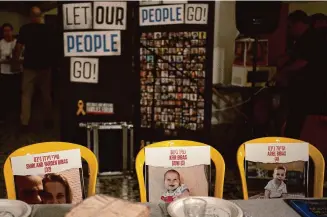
216 157
44 147
315 155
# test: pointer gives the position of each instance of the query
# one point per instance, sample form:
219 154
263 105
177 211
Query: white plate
14 208
215 208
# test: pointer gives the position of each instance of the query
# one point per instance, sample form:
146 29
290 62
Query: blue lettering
97 42
88 43
171 13
70 43
144 15
151 15
78 43
114 42
158 15
105 49
165 12
178 13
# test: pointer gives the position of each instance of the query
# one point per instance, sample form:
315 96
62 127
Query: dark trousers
9 94
294 124
304 101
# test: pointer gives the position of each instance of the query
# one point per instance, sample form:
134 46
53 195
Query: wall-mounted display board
174 64
96 71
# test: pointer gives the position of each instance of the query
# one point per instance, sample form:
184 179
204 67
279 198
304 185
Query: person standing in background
303 72
319 22
36 38
9 77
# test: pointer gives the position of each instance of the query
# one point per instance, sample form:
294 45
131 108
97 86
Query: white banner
174 1
50 162
109 15
277 152
196 13
98 43
161 15
84 70
77 16
149 2
99 108
177 156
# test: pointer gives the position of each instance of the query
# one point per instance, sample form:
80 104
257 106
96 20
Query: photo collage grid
175 85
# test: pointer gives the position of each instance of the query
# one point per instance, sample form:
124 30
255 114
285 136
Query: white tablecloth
253 208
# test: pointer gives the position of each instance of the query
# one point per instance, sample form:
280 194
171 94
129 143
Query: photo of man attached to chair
275 180
53 188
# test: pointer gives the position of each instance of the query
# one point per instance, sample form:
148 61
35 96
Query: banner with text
277 152
173 14
84 70
177 156
77 16
97 43
196 13
110 15
50 162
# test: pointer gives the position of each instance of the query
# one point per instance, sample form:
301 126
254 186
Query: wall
51 12
309 7
15 19
225 33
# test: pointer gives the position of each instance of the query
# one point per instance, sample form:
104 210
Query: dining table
251 208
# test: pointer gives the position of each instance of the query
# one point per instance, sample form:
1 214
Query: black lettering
119 15
85 12
67 22
108 20
75 15
99 15
77 73
87 68
198 14
204 14
189 14
94 65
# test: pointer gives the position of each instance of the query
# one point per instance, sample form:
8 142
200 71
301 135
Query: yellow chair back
216 157
44 147
315 155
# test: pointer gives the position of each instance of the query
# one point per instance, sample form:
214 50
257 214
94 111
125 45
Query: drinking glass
194 207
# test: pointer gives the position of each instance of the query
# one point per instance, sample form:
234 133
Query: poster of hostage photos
177 172
175 83
277 170
49 178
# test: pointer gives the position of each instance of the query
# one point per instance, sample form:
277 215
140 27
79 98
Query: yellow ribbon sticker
80 106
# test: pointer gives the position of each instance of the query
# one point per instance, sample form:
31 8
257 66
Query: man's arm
19 45
18 51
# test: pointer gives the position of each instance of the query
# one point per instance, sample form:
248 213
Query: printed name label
98 43
161 15
84 70
50 162
110 15
277 152
177 156
77 16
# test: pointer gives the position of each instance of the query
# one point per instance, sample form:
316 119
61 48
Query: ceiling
23 7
